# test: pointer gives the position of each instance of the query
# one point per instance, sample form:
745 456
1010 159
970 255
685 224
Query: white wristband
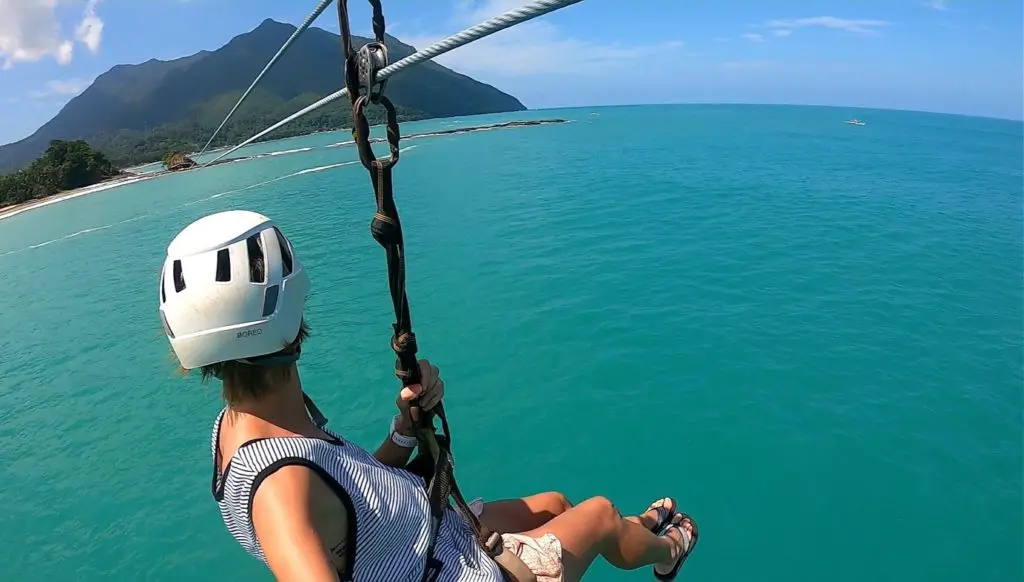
406 442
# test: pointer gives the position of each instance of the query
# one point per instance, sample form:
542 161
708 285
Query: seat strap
443 486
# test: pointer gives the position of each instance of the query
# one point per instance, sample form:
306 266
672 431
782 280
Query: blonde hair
246 381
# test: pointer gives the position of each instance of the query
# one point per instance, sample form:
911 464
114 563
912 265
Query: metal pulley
371 58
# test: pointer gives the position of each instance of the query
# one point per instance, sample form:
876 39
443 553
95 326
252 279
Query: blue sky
953 56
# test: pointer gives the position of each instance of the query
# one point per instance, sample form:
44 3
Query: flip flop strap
687 538
664 516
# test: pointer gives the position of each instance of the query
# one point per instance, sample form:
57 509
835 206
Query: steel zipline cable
280 52
486 28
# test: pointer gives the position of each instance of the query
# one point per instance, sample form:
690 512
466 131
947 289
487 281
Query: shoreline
425 134
130 178
15 209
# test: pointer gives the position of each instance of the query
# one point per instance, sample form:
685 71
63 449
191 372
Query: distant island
136 114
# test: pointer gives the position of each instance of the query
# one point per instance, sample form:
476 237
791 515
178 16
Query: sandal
690 544
666 509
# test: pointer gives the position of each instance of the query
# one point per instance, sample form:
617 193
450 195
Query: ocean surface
807 332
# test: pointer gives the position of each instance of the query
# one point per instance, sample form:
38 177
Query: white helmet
217 304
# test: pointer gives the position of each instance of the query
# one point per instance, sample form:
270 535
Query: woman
316 508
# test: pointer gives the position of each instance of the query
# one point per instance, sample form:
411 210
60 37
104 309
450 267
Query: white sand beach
116 182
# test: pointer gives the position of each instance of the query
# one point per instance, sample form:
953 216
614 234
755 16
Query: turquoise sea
807 332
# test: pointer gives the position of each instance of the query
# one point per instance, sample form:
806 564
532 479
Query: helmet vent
286 253
223 266
163 290
270 300
257 265
179 278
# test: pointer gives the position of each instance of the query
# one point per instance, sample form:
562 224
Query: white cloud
67 87
856 26
939 5
473 11
30 31
754 37
535 47
90 30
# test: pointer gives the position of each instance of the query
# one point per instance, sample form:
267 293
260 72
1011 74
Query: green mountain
138 113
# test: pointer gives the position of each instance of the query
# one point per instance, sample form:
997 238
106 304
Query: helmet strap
273 359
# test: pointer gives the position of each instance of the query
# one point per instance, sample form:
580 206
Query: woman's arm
301 525
428 393
393 454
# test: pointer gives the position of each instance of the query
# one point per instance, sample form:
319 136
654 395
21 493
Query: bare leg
519 515
595 528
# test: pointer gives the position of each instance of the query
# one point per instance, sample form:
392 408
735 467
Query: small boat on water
855 122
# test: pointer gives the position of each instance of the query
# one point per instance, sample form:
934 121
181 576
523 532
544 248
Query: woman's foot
658 515
682 531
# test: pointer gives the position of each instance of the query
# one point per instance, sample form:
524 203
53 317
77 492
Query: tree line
66 165
128 148
70 164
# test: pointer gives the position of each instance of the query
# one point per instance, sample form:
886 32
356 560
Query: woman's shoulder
215 432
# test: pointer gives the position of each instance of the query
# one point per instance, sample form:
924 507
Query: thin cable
302 28
486 28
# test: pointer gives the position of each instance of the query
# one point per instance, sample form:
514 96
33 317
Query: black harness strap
361 68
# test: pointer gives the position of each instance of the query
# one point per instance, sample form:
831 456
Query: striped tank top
388 506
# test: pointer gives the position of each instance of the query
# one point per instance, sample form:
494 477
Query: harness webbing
361 69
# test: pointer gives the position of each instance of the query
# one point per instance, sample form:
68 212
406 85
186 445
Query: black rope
361 69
